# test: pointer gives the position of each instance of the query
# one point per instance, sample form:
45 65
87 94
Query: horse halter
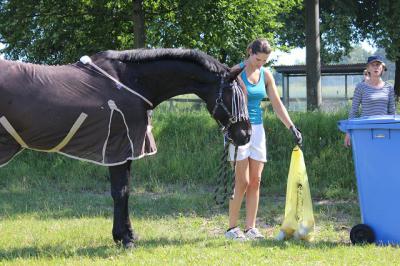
239 108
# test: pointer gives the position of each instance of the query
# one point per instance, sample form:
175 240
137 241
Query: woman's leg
253 192
241 183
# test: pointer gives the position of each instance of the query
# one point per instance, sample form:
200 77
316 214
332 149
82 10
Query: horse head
228 106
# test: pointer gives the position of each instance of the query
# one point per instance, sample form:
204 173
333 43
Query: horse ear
233 73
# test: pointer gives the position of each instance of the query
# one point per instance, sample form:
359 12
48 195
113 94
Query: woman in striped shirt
375 96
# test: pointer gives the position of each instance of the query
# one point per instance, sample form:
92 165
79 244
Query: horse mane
146 55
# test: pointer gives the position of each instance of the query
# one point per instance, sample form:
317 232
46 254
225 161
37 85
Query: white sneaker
281 236
302 233
235 234
254 234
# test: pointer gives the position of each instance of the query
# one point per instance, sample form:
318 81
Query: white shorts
256 149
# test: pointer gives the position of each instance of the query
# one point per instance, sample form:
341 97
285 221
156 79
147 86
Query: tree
357 55
139 24
313 59
61 31
344 23
222 28
337 31
377 21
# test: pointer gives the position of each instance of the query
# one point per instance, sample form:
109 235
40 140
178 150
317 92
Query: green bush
189 149
190 145
329 164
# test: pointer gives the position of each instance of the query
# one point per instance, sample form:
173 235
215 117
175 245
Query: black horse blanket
71 110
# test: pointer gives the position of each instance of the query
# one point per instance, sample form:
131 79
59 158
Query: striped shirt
373 101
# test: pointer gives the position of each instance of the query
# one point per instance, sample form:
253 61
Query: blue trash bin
376 148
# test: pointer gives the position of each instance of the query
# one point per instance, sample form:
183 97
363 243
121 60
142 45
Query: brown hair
259 45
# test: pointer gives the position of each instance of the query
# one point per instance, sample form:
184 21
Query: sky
298 55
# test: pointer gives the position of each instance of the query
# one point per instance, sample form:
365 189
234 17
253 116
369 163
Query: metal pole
284 90
287 91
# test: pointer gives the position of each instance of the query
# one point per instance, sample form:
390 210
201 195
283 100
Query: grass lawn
177 226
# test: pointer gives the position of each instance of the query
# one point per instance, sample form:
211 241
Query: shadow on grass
54 204
58 204
162 241
216 243
59 251
268 243
106 251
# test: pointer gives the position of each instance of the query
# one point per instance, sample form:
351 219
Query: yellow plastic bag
299 217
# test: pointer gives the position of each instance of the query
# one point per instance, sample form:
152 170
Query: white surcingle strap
114 108
10 129
77 124
88 61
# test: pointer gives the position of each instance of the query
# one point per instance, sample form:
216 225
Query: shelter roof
325 69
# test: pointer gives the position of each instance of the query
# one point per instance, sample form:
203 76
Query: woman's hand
347 140
298 138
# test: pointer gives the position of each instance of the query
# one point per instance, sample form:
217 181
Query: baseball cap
376 58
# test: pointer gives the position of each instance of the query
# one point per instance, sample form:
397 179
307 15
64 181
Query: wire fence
298 104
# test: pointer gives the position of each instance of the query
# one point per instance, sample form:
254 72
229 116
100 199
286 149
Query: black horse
97 109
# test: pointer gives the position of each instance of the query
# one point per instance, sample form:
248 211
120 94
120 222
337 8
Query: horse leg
120 182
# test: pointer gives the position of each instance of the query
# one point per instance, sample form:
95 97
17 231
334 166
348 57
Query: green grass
177 226
58 211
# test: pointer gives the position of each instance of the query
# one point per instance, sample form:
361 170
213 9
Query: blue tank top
255 93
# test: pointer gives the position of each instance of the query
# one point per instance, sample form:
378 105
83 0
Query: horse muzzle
239 137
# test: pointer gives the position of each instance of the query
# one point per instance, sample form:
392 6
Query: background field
58 211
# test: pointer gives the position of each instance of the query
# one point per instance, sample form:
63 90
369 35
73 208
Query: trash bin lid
376 121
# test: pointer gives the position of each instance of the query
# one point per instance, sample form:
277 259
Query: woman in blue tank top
256 81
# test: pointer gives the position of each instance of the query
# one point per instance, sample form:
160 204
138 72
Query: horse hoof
129 245
125 244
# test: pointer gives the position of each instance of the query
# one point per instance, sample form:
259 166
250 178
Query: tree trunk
313 59
397 79
224 55
138 24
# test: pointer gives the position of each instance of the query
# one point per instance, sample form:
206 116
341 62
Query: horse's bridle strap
219 102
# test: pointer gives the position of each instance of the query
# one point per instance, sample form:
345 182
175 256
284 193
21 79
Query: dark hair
260 45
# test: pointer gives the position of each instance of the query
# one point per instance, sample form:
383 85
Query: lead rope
239 113
221 192
234 173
